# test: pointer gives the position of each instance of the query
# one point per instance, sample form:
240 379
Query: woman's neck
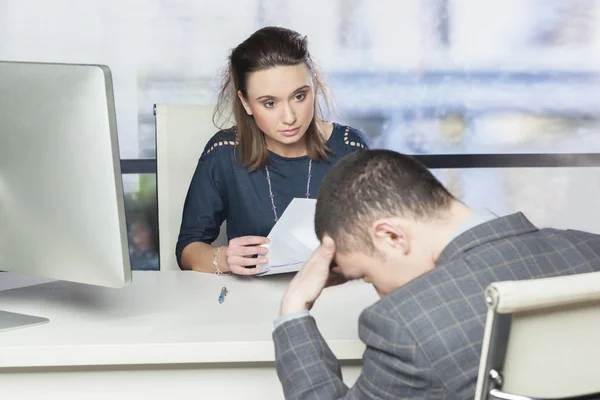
288 150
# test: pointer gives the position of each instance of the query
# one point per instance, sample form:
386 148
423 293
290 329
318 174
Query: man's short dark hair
372 184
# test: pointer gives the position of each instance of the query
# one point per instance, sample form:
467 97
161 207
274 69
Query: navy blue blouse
223 189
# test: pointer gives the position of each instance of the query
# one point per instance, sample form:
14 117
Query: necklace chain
272 197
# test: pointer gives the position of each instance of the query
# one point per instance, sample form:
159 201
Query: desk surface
169 318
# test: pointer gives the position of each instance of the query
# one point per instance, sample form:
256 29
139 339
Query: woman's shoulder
221 143
349 137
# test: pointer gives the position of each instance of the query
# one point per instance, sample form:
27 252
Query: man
383 217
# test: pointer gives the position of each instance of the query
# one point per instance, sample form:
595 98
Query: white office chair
542 340
182 131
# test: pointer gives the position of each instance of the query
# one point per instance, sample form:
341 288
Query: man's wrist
290 317
290 305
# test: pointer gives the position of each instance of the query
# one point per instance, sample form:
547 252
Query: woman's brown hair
268 47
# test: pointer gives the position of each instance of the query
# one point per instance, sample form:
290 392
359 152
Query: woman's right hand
240 252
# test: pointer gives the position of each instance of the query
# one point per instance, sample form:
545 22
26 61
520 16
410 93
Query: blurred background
417 76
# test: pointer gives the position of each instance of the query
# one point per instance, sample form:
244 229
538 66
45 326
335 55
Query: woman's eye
269 104
300 96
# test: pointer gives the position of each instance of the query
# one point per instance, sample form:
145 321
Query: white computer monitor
62 213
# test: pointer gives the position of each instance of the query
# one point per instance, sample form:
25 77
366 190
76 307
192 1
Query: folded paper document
292 239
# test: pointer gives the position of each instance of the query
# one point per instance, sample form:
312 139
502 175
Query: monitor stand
10 321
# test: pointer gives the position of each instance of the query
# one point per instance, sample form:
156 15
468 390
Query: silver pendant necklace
271 189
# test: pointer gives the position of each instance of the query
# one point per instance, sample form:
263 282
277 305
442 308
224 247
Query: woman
278 150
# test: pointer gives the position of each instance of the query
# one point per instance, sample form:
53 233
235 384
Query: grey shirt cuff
290 316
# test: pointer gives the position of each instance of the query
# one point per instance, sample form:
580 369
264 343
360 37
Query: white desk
163 336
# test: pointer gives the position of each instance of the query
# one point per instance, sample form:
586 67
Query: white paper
292 239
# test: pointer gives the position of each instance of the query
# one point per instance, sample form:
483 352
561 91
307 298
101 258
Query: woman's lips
290 132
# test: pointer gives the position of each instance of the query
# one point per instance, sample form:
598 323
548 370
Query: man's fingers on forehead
327 252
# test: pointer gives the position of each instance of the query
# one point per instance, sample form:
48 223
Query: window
142 220
424 77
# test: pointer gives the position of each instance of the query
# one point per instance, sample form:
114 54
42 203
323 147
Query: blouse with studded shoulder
222 189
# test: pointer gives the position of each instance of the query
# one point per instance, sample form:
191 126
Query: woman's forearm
199 256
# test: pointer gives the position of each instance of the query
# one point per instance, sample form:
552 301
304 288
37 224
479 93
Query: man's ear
388 235
244 102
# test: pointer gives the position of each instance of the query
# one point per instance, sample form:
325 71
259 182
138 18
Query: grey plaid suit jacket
423 341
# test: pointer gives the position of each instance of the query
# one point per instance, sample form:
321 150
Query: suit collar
498 228
477 218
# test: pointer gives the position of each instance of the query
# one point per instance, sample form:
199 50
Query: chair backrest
542 339
182 131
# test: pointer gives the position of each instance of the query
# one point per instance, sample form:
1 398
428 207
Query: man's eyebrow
270 97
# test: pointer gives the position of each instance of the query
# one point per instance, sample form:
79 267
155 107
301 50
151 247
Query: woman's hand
240 252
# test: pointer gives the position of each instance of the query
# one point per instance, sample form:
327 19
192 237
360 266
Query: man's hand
310 281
